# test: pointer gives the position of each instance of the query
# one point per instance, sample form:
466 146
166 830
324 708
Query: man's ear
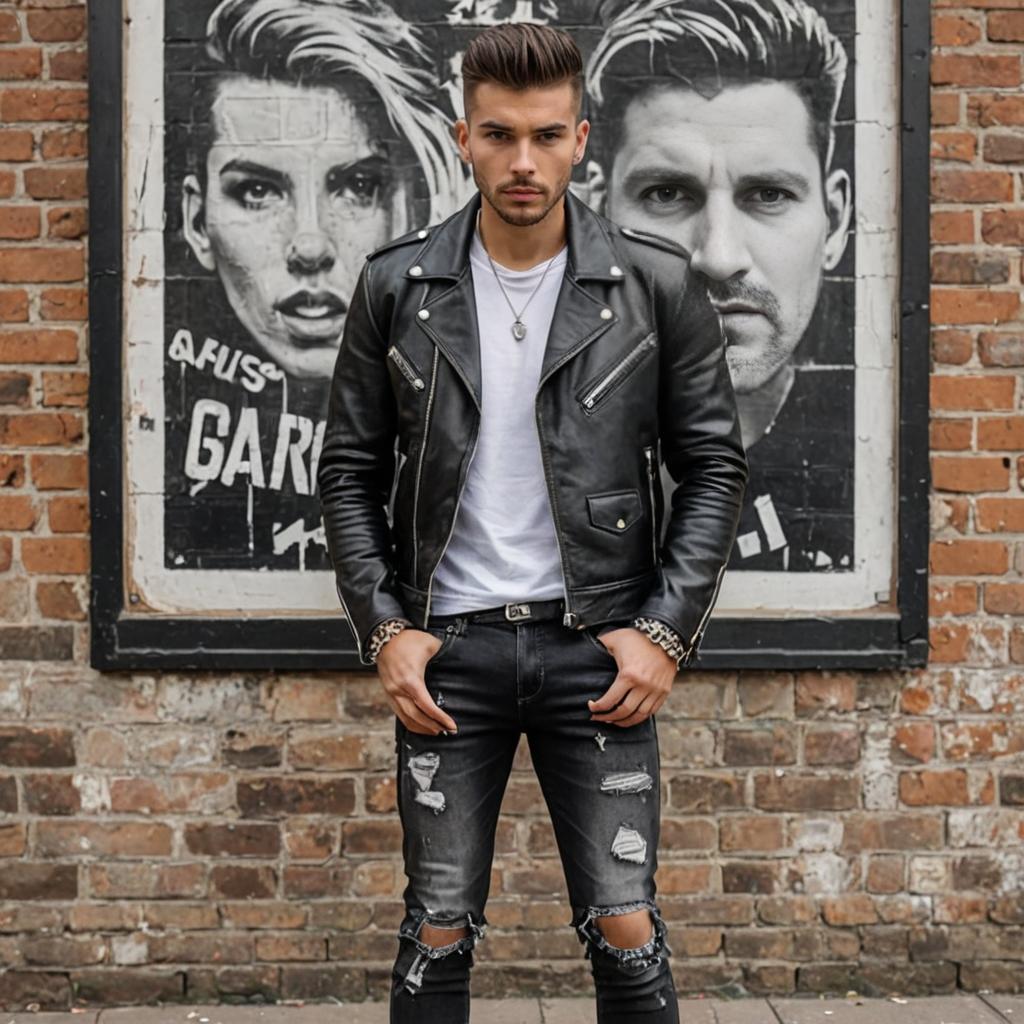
194 222
594 191
461 132
839 206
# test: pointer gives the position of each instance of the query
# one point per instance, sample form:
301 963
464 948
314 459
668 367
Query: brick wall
218 836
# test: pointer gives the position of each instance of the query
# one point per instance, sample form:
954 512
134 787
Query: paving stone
963 1009
88 1017
1009 1007
739 1011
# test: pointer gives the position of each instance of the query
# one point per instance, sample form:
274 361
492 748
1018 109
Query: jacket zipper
698 635
419 464
594 395
569 617
649 455
405 366
451 529
402 459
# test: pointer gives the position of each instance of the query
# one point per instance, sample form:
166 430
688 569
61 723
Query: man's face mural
735 178
298 192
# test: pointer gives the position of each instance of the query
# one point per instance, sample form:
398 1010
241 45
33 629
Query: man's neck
758 409
519 248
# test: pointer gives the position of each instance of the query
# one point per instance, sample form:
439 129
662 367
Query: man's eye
496 135
361 187
770 196
255 194
663 195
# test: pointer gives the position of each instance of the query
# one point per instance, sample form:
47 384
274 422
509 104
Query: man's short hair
359 45
522 55
707 45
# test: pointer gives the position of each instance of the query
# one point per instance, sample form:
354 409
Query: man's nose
310 252
719 250
523 162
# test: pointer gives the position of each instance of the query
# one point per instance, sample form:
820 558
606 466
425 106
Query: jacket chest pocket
406 367
615 511
611 378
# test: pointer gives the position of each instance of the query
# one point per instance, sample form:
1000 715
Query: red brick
946 435
38 346
954 30
31 265
60 472
1003 227
12 470
1004 598
951 393
973 306
6 553
16 145
19 222
945 108
55 555
62 182
70 388
951 346
1002 433
15 389
1006 27
63 25
969 558
998 71
1004 149
69 66
970 268
952 227
49 104
21 64
960 598
69 514
58 600
934 788
948 642
995 109
1000 515
960 146
40 428
13 305
8 182
64 144
64 304
971 187
1001 348
67 221
17 512
10 30
970 474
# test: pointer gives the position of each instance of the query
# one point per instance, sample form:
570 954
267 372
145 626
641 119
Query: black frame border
898 639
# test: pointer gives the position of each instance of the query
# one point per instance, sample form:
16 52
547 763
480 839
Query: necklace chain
518 327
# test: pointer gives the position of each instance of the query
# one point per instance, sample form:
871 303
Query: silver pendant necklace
518 327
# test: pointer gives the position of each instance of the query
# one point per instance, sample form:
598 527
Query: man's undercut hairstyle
522 55
361 47
707 45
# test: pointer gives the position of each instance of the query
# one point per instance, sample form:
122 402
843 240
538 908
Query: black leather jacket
634 372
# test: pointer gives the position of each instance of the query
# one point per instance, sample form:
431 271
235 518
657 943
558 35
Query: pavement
985 1008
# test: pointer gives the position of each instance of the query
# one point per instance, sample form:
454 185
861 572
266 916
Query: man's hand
646 674
400 666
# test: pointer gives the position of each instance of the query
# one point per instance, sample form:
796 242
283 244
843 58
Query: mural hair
710 44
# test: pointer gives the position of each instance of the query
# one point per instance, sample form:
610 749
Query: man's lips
522 193
737 308
312 315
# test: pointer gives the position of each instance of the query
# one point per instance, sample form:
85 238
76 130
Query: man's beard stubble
532 218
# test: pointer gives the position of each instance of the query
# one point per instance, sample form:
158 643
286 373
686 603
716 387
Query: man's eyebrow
557 126
252 167
661 174
775 179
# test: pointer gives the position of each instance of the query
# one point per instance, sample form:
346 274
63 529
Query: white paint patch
93 791
818 834
880 785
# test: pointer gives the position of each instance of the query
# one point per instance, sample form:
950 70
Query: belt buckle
515 612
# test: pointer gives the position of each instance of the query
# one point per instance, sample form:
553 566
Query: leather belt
515 611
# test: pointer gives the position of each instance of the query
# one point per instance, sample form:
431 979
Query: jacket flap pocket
614 510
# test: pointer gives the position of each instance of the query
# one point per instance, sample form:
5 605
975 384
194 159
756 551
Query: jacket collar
446 253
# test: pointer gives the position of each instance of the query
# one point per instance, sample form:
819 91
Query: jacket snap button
415 271
421 234
424 314
616 271
621 524
606 314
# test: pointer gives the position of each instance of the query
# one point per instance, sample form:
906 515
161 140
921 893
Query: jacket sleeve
356 471
703 452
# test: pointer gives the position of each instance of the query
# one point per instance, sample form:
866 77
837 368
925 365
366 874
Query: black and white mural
271 144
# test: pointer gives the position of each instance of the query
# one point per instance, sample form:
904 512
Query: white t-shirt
503 546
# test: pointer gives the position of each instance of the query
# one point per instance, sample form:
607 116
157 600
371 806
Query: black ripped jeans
499 679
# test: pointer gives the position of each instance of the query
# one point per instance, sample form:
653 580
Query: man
717 129
313 142
533 360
